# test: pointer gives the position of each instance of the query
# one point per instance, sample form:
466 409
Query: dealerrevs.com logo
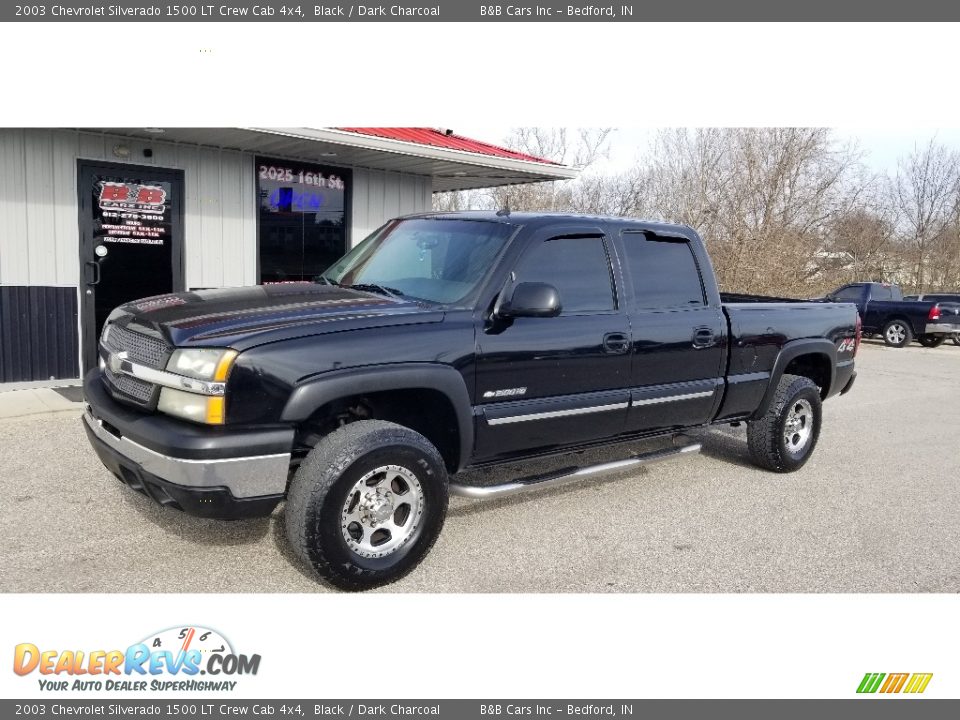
176 659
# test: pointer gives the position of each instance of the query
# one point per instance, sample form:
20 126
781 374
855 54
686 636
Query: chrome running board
564 477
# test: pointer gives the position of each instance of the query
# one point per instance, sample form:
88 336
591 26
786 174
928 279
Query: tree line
784 211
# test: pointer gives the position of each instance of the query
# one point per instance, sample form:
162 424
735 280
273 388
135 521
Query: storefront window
302 219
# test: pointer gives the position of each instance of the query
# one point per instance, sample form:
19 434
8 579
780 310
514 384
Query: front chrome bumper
244 477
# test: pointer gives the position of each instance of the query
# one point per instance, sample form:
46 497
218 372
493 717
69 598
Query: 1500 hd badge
505 392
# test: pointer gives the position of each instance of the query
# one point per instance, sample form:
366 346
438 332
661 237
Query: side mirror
532 299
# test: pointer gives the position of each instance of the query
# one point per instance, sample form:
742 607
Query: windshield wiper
377 288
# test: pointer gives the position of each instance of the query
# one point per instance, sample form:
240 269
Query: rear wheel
897 333
367 504
931 341
956 338
785 437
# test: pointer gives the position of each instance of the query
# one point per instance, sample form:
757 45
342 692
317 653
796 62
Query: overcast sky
881 146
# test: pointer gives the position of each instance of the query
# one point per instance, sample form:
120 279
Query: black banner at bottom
873 707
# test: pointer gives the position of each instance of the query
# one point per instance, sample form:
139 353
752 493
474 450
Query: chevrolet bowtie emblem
116 361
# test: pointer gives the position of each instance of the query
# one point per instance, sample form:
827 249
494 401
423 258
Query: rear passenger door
679 335
556 381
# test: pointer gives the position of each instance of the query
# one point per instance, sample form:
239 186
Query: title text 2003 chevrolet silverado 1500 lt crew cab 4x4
444 342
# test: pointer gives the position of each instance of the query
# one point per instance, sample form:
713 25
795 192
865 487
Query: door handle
703 338
616 342
96 272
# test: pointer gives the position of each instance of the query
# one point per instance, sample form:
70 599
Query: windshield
440 261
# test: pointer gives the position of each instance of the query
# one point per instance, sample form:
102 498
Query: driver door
547 382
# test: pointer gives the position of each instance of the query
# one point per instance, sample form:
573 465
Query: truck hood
242 318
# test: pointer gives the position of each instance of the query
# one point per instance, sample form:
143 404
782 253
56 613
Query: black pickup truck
948 301
444 342
884 310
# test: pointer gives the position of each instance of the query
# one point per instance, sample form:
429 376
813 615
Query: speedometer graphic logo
183 639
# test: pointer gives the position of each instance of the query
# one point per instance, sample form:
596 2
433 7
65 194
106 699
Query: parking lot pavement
875 510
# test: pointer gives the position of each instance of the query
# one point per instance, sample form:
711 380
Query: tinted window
577 267
664 272
302 219
881 292
437 260
849 294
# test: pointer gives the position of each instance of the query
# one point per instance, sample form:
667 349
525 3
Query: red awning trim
436 138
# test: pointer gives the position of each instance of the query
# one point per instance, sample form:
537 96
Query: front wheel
897 333
785 437
931 341
366 504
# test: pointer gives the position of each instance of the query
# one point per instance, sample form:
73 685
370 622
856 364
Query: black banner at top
467 11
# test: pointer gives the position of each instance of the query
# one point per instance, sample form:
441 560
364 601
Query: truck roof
538 219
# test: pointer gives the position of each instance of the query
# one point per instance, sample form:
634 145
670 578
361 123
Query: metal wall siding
38 333
379 196
211 219
39 236
65 228
14 255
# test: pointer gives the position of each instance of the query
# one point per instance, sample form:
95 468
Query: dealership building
91 218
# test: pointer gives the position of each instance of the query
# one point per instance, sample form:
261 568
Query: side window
663 271
849 294
578 267
881 292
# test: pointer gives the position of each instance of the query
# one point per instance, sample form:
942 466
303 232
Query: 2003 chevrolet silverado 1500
444 342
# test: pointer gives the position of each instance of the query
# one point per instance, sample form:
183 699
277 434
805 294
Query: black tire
897 333
766 436
931 341
328 475
956 338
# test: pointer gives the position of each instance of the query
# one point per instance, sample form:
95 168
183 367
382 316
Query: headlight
202 363
203 372
190 406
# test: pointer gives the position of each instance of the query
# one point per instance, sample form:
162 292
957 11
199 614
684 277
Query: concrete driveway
876 510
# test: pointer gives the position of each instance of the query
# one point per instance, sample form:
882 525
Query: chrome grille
130 388
140 348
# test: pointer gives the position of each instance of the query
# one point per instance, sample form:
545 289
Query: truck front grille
140 348
124 387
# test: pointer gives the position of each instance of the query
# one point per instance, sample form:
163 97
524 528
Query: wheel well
815 366
424 410
901 318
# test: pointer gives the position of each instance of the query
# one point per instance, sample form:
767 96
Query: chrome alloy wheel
896 334
798 428
382 511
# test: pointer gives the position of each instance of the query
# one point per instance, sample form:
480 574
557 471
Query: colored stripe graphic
894 683
918 683
870 682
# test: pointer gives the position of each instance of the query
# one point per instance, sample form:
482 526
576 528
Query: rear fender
791 351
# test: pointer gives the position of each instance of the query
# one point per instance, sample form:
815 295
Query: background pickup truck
884 310
947 300
444 342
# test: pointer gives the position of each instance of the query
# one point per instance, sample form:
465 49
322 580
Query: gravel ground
875 510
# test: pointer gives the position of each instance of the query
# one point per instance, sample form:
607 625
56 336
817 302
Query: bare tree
925 195
580 148
784 210
761 197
